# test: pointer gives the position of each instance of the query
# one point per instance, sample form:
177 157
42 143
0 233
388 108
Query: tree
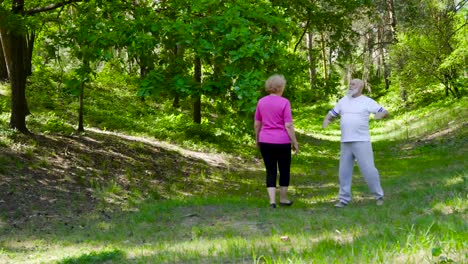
227 45
432 54
326 37
18 60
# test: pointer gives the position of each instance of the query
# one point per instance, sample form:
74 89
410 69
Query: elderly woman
275 134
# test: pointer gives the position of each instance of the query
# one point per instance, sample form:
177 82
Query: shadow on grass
200 208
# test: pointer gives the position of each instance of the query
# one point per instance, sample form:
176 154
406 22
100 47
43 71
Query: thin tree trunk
386 69
146 64
392 18
367 60
5 47
178 57
176 101
324 56
80 110
197 101
383 54
311 59
28 52
393 25
380 59
3 66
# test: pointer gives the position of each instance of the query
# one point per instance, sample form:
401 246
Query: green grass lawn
158 203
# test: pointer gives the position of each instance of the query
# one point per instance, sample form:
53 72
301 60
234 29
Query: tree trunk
386 70
403 94
5 52
3 66
367 60
146 64
197 96
380 59
324 56
383 53
178 59
176 101
29 47
392 18
311 59
80 110
393 24
19 106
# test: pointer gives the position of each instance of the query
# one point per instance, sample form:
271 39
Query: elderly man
355 110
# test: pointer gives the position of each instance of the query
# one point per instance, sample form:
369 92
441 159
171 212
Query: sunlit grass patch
436 120
5 89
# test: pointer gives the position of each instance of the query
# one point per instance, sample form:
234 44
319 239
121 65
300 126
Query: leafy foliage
423 58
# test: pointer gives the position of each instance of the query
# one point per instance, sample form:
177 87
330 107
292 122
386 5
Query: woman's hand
295 147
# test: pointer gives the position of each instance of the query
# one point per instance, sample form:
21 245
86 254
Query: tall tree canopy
222 51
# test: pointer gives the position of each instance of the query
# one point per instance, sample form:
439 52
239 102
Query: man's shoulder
367 98
343 99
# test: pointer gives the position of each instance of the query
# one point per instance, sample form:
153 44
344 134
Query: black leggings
276 156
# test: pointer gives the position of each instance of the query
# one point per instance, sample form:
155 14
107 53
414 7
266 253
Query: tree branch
456 30
460 5
50 7
303 33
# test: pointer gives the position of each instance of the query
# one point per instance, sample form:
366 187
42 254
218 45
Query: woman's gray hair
275 83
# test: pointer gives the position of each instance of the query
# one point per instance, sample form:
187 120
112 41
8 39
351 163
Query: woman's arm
292 136
257 127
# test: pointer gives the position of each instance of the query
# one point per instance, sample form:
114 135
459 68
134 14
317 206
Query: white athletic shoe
340 204
379 202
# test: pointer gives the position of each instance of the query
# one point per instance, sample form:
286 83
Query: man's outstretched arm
381 115
328 118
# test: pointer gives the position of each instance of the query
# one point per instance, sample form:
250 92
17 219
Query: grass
128 197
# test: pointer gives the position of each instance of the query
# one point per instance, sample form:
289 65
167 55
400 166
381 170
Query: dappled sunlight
426 124
5 89
136 199
331 134
202 248
448 182
212 159
451 206
50 251
219 232
104 226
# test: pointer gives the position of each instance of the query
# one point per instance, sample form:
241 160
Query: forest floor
68 198
59 178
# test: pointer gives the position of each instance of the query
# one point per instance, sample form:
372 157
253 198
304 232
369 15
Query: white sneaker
379 202
340 204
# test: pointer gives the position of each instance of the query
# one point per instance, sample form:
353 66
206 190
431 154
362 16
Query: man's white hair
360 82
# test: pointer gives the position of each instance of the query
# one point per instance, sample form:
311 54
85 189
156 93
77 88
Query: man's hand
327 120
381 115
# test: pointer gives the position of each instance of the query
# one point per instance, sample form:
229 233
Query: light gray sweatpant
362 152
